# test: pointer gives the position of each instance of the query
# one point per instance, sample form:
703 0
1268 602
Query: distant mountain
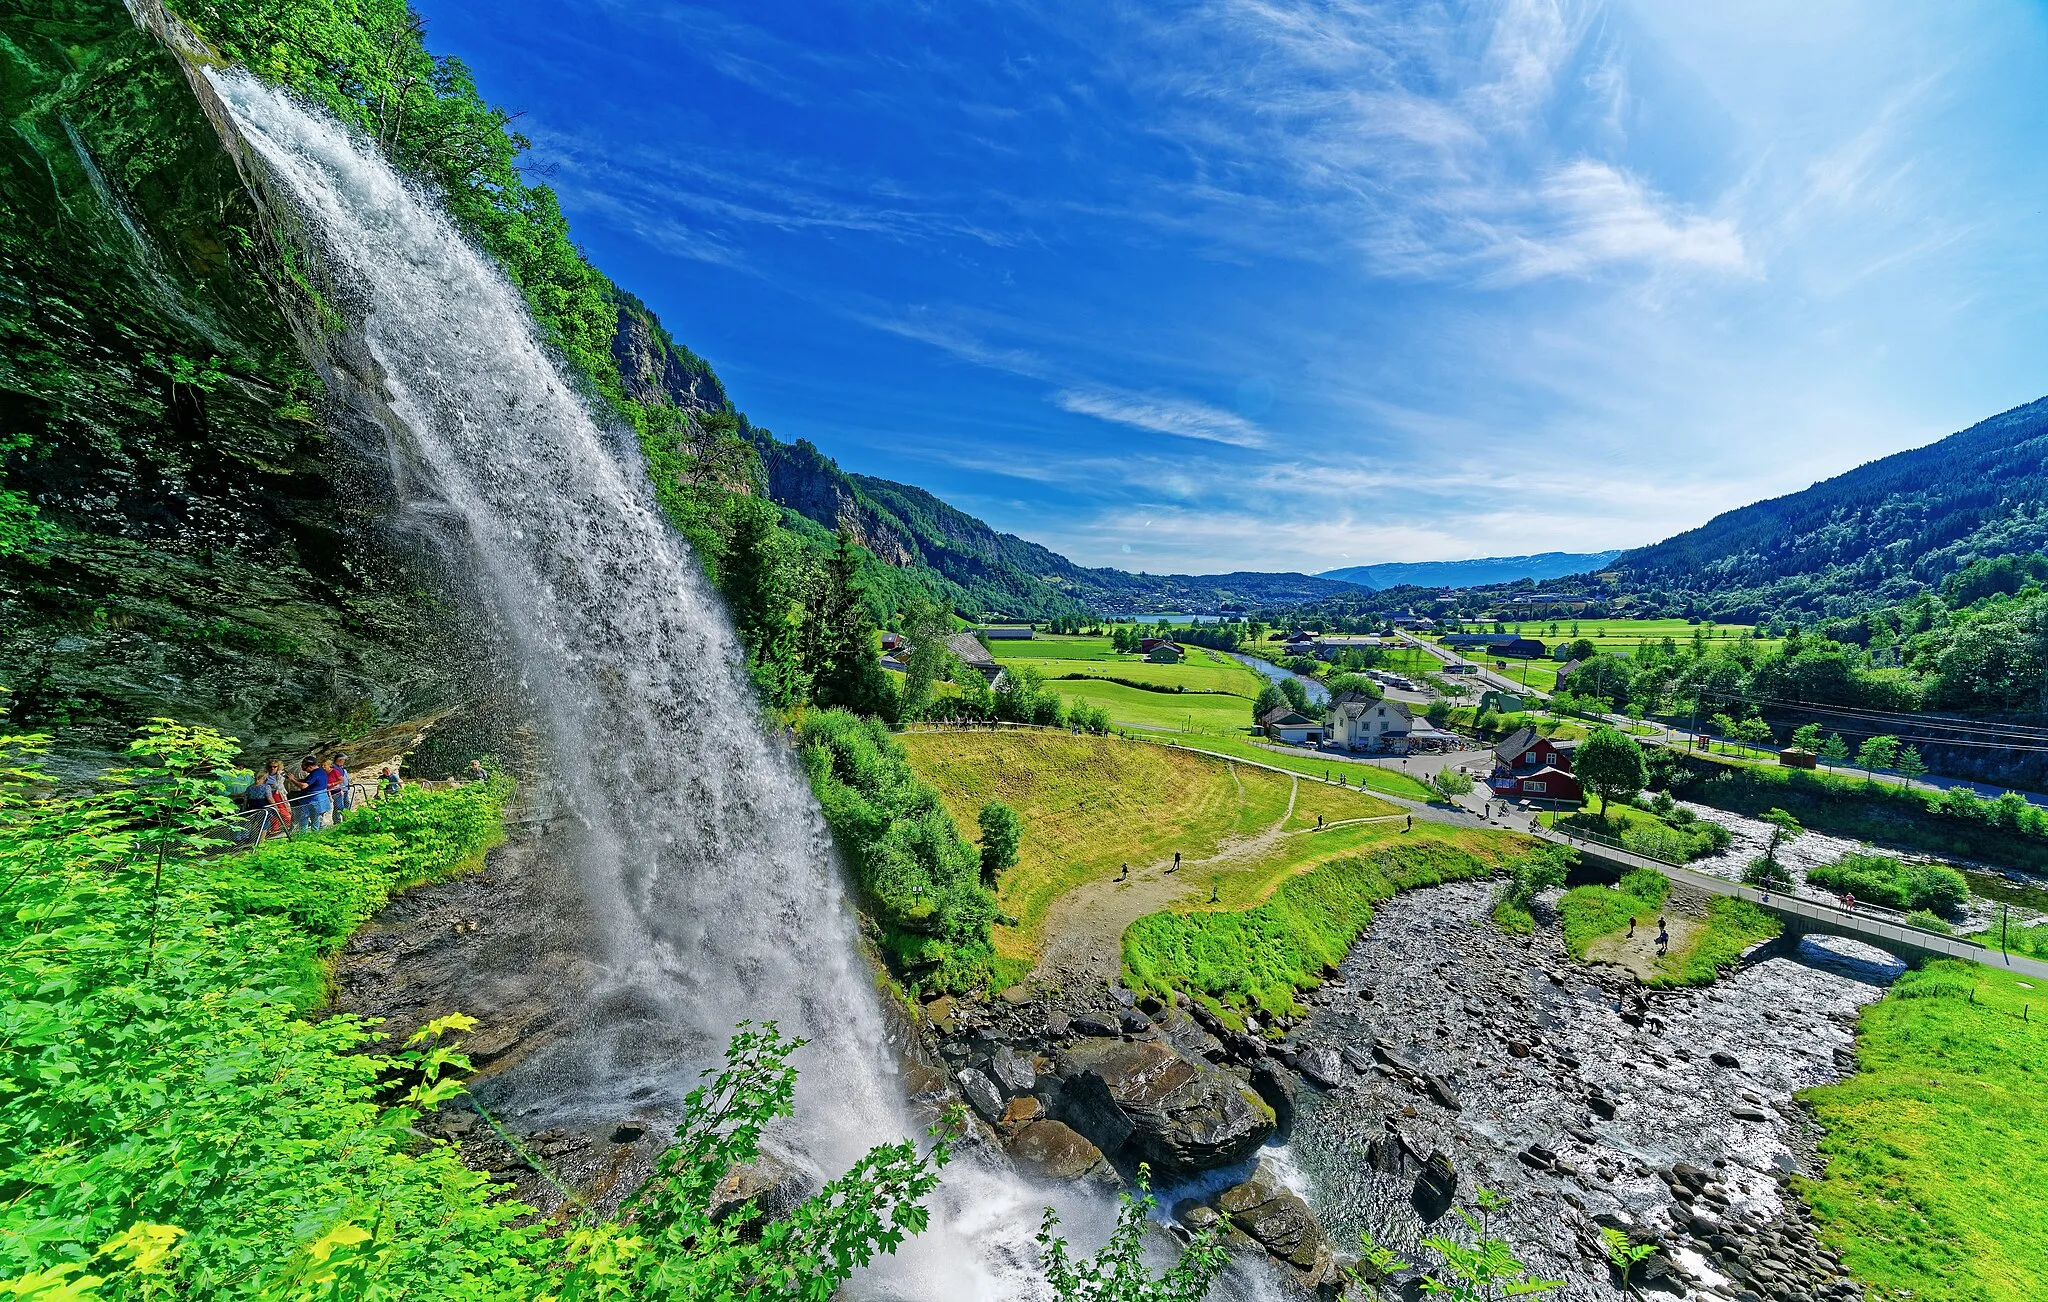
1882 532
1473 573
999 573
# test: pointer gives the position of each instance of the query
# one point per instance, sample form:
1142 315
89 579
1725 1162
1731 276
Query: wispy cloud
1603 216
1180 417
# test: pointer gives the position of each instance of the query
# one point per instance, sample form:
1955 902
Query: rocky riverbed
1452 1057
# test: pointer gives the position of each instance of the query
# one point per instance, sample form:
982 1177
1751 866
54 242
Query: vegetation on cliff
173 1124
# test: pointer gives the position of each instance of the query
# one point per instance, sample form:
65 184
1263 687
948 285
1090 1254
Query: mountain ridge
1474 573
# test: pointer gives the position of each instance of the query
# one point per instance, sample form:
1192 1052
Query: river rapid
1682 1127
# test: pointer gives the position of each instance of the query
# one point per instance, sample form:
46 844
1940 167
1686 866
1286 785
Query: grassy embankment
1212 709
1260 958
1592 914
1936 1185
1092 804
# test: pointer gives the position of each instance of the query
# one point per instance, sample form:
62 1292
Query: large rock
1276 1216
1436 1188
1276 1087
1012 1071
1321 1065
765 1189
980 1091
1144 1100
1052 1150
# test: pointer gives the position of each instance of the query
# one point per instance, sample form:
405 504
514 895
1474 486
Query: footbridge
1887 929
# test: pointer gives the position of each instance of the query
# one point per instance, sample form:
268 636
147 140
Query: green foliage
919 880
1877 752
1623 1253
1270 698
1485 1269
171 1125
1261 957
1894 883
1118 1272
1610 763
1528 877
1732 927
1451 783
1806 737
1936 1150
1590 912
1359 683
1001 831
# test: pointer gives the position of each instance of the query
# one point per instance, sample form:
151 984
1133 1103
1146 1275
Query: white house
1359 723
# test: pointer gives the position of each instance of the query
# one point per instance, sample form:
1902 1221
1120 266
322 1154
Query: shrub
1894 883
1647 885
920 880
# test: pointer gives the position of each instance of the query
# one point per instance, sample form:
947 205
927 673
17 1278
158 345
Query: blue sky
1256 284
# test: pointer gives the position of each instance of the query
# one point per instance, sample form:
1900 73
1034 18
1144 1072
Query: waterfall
702 856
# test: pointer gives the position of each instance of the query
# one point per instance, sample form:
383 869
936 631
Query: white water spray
703 857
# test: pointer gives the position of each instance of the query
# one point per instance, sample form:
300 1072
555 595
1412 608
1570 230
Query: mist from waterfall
702 855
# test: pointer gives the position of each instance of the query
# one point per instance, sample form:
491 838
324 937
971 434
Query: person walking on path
1124 872
1176 862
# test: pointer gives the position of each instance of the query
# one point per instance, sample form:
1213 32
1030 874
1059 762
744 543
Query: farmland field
1624 635
1092 804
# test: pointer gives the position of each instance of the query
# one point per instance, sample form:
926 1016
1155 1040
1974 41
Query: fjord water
702 858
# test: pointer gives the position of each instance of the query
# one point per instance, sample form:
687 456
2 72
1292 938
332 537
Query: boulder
1276 1217
1134 1022
1321 1065
1355 1058
1276 1088
1052 1150
1723 1058
1095 1024
1436 1188
981 1093
1019 1112
1144 1100
773 1187
1012 1071
1441 1092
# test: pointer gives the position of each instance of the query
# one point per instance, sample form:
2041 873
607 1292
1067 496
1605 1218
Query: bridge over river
1885 928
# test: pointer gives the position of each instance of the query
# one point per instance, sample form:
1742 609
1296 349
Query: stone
773 1186
1517 1049
1012 1071
1095 1024
1020 1111
1276 1089
1321 1065
1133 1022
1145 1100
1441 1092
622 1134
1051 1150
1748 1113
981 1093
1601 1106
1723 1058
1436 1188
1355 1058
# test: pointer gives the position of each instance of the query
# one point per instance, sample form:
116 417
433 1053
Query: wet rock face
1144 1098
1491 1061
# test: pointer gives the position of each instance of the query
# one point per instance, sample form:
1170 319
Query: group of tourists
279 800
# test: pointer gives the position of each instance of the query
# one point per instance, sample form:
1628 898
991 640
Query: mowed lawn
1134 707
1091 804
1937 1149
1058 657
1310 764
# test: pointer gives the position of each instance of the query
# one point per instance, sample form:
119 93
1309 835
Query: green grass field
1091 804
1309 764
1936 1185
1625 635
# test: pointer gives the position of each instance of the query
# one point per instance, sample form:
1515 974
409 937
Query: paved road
1485 675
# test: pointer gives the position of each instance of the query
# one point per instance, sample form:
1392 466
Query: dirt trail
1084 929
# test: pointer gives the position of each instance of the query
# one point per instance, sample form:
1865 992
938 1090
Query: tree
1876 753
1001 831
1910 766
1450 783
1270 698
1807 737
1754 732
1358 683
1611 763
840 657
1765 870
1296 694
926 626
1723 726
1118 1273
1834 750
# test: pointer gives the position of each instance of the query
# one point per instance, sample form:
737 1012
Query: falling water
702 855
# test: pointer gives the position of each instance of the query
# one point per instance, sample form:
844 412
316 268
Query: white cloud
1181 417
1603 216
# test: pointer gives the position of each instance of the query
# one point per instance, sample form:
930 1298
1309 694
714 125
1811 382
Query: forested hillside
1472 573
1881 533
